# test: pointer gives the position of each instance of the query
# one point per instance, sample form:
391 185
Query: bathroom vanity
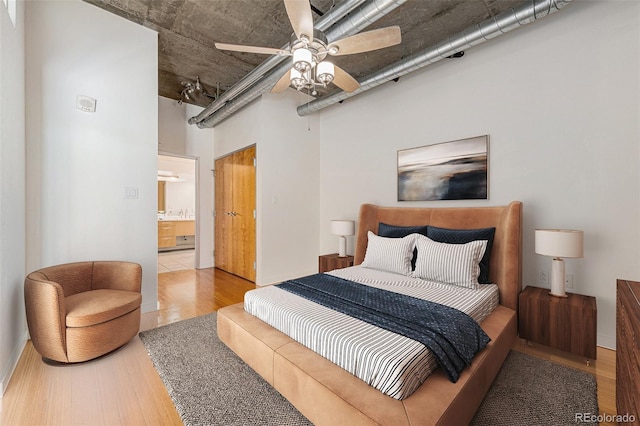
176 233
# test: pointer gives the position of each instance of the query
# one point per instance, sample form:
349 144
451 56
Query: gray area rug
210 385
531 391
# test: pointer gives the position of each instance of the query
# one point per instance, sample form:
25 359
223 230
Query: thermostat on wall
85 103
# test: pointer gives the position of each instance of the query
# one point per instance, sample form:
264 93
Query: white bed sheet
393 364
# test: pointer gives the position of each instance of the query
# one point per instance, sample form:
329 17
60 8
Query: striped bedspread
394 364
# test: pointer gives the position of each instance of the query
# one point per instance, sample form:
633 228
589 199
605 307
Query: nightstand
565 323
329 262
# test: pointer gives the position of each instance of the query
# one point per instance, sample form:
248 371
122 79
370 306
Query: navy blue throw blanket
453 336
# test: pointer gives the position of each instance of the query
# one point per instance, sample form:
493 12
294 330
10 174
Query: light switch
131 192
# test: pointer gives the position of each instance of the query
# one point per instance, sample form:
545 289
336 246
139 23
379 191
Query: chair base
54 363
86 343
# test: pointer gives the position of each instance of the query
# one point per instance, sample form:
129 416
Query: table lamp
342 228
559 243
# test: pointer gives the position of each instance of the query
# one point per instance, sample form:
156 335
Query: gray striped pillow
389 254
457 264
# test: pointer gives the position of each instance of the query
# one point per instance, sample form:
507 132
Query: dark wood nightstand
329 262
565 323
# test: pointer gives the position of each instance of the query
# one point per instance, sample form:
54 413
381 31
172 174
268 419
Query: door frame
196 170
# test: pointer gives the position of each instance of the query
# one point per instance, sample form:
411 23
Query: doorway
177 207
235 213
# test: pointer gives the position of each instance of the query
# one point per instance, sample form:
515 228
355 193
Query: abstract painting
455 170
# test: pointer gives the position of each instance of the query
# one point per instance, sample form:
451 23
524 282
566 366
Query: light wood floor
123 388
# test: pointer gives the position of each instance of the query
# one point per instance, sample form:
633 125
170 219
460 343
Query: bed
327 394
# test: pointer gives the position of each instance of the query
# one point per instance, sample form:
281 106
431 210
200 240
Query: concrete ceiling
188 29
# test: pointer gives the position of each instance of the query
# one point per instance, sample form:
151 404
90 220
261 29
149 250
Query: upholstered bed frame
328 395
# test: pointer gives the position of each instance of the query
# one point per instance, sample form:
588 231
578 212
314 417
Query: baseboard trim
606 341
13 362
149 307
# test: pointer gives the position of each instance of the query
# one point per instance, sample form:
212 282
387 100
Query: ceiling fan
309 48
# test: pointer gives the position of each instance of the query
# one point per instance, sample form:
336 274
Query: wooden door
235 198
244 205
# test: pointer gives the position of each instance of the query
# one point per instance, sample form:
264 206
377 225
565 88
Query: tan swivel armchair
79 311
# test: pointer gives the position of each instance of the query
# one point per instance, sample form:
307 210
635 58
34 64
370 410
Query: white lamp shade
296 78
325 71
302 59
559 242
342 227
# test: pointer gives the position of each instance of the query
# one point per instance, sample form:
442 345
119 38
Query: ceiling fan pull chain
309 116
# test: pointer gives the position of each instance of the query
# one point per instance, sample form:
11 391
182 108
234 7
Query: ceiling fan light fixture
302 60
310 46
325 72
297 79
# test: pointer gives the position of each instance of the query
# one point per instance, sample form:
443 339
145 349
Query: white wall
199 143
181 196
560 101
12 190
78 163
239 131
172 134
287 190
287 182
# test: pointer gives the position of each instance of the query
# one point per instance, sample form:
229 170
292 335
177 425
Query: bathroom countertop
175 219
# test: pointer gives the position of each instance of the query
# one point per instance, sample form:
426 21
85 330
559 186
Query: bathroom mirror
162 191
176 187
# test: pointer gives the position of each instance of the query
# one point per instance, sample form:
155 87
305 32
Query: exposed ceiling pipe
331 17
506 21
353 24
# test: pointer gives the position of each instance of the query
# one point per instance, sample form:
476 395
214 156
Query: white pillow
389 254
457 264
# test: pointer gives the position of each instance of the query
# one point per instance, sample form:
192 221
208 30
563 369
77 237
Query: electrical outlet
568 281
543 277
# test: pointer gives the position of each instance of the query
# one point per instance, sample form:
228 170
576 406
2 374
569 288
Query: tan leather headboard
505 268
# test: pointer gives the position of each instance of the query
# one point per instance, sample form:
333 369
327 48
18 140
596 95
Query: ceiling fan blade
283 83
343 80
251 49
299 12
367 41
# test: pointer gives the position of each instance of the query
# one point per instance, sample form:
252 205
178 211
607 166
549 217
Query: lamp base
342 249
557 278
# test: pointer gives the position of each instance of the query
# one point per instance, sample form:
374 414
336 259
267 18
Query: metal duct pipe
331 17
474 35
353 24
250 95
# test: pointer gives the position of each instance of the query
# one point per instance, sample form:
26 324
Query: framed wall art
456 170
